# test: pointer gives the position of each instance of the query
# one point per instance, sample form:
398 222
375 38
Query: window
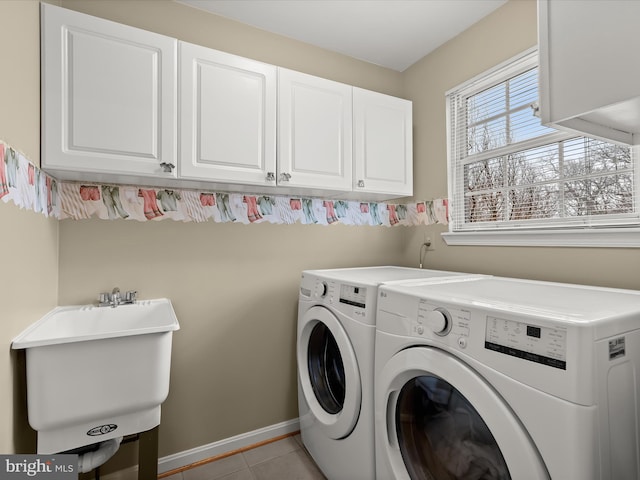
510 173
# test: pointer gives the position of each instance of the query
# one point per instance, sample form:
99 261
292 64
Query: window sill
606 237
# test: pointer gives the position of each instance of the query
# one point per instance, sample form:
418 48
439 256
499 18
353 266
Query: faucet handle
130 296
103 298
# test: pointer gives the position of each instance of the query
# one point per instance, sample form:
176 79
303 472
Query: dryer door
440 419
328 372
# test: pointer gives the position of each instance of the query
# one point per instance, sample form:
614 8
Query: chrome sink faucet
115 298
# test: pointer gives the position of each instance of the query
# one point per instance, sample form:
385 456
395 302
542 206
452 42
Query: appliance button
462 342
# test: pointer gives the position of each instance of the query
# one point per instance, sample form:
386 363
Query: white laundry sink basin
96 373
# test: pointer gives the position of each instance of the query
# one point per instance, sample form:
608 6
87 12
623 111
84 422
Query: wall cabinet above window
112 113
589 76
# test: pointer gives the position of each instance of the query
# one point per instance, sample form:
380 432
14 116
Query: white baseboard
182 459
198 454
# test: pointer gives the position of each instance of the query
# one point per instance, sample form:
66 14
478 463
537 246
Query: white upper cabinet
112 112
227 117
108 97
589 73
383 144
314 132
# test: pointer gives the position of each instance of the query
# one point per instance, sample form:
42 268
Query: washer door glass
326 370
328 373
441 435
438 419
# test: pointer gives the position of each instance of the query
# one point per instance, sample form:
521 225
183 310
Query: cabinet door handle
167 167
271 177
285 177
360 183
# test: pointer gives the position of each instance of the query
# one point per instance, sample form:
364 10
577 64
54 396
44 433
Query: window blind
508 171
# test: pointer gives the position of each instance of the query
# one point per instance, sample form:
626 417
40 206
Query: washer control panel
452 326
351 299
534 343
353 295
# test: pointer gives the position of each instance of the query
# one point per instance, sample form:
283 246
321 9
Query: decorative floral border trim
24 184
28 187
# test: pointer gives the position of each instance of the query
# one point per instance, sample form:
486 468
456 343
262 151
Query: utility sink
96 373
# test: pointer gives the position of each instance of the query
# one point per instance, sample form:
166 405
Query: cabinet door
383 145
314 132
589 75
108 96
228 117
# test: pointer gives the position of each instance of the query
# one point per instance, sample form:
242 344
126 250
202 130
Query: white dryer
335 353
495 378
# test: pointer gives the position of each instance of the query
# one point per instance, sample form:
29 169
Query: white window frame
588 236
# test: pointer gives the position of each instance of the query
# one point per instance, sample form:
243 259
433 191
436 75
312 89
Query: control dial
321 289
438 321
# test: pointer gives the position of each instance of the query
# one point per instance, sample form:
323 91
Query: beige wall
234 288
28 241
507 32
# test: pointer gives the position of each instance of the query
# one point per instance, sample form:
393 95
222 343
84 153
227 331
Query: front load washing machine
335 352
495 378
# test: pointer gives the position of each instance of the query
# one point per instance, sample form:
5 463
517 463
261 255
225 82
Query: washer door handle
392 436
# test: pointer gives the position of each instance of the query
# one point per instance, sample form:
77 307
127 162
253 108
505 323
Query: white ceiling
391 33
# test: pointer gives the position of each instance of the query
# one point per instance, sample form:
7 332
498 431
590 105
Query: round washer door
437 418
328 372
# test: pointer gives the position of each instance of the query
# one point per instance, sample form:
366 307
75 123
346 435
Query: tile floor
280 460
